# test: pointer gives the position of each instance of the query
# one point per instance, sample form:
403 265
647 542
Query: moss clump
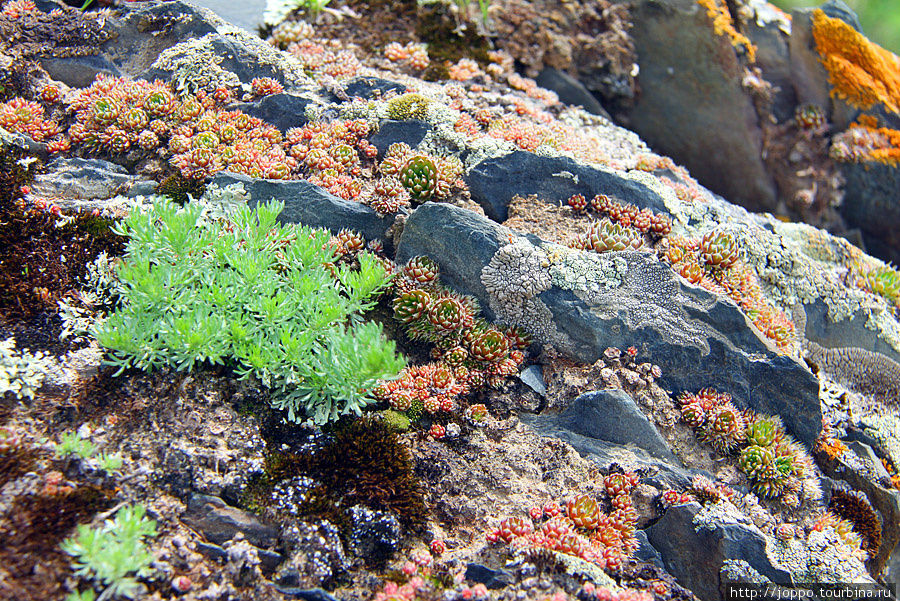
180 188
363 461
437 27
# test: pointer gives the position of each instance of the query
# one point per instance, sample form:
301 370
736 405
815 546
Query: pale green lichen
195 66
823 557
739 571
21 373
885 429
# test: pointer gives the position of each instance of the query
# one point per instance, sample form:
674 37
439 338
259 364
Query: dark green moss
438 29
179 188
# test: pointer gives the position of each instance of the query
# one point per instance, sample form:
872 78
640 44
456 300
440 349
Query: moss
854 507
15 462
363 461
33 566
437 27
178 188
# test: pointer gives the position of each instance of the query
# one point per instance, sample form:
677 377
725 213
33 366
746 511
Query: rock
269 560
613 416
310 205
78 71
645 551
370 87
84 179
570 90
708 545
604 454
774 60
693 107
314 594
490 578
220 522
374 535
533 378
176 472
582 303
870 203
284 111
859 468
494 182
410 132
851 332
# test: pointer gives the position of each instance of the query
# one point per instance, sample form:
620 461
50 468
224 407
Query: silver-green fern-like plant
257 294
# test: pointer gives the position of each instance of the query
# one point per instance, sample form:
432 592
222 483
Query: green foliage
71 443
114 554
21 373
256 293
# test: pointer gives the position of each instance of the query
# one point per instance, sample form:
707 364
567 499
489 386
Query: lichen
862 73
195 66
885 429
21 373
738 570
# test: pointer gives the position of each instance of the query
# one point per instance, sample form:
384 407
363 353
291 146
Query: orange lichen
724 25
832 447
866 141
862 73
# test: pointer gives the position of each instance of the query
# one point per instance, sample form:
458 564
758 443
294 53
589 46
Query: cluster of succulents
598 530
414 55
883 281
713 262
325 58
116 115
288 32
424 177
623 213
265 86
623 226
330 154
774 463
591 592
27 117
468 352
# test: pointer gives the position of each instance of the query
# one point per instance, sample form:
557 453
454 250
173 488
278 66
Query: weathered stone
692 104
220 522
533 378
313 594
410 132
374 535
370 87
851 332
284 111
490 578
858 467
83 179
613 416
570 90
697 338
694 554
494 182
870 203
309 204
78 71
646 552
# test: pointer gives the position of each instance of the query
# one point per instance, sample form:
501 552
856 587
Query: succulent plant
419 176
489 346
884 281
421 269
723 428
410 306
718 250
604 236
584 511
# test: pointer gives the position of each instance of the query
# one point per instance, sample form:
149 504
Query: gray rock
370 87
856 469
284 111
494 182
84 179
604 454
311 594
220 522
78 71
692 104
570 90
410 132
309 204
613 416
533 378
645 551
697 339
851 332
495 579
774 60
870 203
694 555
